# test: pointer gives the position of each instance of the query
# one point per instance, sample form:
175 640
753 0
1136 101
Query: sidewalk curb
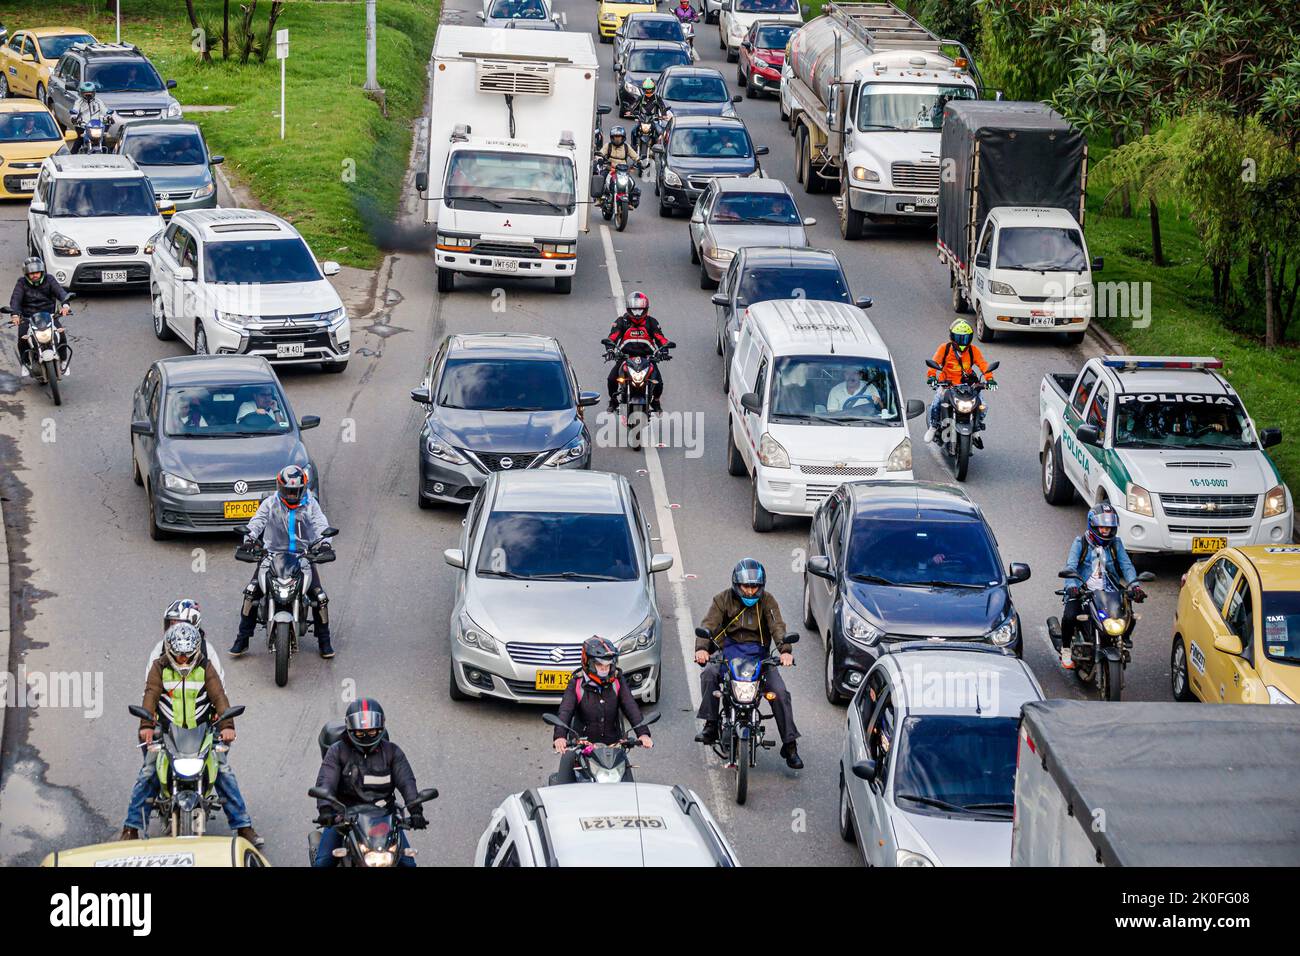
6 619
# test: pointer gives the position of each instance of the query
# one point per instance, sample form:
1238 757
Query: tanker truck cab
1167 441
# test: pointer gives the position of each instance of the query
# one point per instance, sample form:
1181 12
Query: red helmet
638 306
291 483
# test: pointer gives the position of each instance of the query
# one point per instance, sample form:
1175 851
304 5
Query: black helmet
87 90
638 305
34 265
617 132
364 723
597 649
748 573
291 483
1103 524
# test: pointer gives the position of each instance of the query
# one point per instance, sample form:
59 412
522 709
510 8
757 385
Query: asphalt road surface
94 585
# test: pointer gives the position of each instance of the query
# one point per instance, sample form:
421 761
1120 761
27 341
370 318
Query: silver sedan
742 211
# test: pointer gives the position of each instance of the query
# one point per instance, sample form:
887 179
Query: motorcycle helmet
291 484
181 647
364 723
1103 524
87 91
960 334
747 574
638 306
596 650
617 135
648 88
34 266
183 611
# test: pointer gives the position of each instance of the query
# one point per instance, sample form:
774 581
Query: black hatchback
697 149
903 561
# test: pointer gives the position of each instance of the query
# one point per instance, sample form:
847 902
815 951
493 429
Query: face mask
749 601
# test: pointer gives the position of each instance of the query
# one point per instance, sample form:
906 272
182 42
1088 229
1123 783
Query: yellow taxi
28 56
209 851
1237 631
28 134
610 14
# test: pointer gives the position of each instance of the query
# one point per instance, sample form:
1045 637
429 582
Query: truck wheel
798 150
446 279
705 281
564 284
1056 487
982 331
811 182
762 520
851 221
959 303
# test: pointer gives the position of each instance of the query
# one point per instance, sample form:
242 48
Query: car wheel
200 339
833 695
135 466
735 464
848 830
1179 681
1057 489
665 210
695 253
751 91
40 93
151 516
761 519
426 504
809 621
160 327
453 689
4 87
705 281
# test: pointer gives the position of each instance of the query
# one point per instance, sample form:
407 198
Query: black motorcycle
959 414
371 834
48 351
598 763
285 607
616 196
647 125
1100 648
740 725
636 359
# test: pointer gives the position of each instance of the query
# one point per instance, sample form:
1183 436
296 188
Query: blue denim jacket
1082 555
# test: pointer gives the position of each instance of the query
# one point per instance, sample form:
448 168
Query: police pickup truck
1167 441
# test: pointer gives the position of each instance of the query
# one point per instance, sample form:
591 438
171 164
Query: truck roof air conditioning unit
566 139
515 79
460 133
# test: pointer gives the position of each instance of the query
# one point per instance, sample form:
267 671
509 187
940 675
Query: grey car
738 212
643 60
544 562
695 91
125 81
499 13
497 402
208 435
647 26
928 765
174 156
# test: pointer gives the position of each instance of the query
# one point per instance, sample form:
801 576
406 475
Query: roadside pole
117 13
282 54
372 81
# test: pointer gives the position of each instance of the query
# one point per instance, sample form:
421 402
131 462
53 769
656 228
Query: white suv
243 282
93 220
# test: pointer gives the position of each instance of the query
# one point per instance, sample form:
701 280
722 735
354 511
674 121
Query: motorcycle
616 196
740 725
1100 650
646 129
598 763
187 767
688 31
958 416
48 351
93 137
637 360
285 603
372 835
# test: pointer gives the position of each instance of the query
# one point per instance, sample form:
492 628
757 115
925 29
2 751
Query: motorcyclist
182 690
956 357
746 618
89 107
37 291
647 106
365 767
186 611
594 704
289 520
619 150
1098 551
637 325
685 12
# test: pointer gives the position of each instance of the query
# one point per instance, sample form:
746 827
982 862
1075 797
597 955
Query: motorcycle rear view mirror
138 711
233 712
931 363
737 98
703 634
320 793
993 366
608 343
648 719
602 109
1147 576
792 639
424 796
329 532
241 529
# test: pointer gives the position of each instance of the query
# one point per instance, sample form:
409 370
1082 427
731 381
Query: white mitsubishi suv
243 282
92 219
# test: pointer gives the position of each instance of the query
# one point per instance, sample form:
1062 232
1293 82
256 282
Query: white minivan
813 401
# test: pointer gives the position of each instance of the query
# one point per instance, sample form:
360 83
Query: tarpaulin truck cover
1177 784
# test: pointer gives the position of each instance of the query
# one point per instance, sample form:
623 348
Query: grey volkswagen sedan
208 435
174 156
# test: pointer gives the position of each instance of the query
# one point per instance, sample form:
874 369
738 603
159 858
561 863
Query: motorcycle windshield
745 661
284 565
1108 602
187 741
42 320
607 757
376 826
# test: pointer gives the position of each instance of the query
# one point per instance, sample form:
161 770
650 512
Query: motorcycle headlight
440 448
179 485
471 635
857 629
671 178
188 766
908 858
1275 502
1003 634
44 336
64 246
900 459
864 175
606 774
771 453
1001 288
1113 626
745 692
152 243
1275 696
573 451
639 639
1138 501
379 858
283 588
174 110
964 405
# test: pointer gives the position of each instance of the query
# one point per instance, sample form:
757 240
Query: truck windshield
1181 420
1282 626
905 106
482 179
1041 249
952 764
835 390
767 6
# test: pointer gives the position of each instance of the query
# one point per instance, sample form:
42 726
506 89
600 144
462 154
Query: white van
813 401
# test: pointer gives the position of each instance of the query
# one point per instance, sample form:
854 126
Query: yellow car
610 15
211 851
28 134
28 56
1237 633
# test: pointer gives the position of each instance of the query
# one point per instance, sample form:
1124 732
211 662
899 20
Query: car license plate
1208 545
1041 321
289 350
505 265
118 275
552 680
27 185
240 509
927 201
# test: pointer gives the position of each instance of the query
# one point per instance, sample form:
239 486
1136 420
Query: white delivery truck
511 135
865 86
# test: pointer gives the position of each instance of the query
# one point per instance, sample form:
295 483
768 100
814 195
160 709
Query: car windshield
792 282
774 37
225 411
767 6
695 89
839 390
260 261
957 764
647 29
557 546
54 47
505 385
130 76
1182 420
85 198
518 10
1041 249
768 209
1282 626
656 61
165 149
496 180
721 142
900 106
924 553
28 127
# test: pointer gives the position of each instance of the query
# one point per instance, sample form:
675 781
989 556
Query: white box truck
511 134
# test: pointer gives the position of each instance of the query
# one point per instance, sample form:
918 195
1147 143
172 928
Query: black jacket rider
598 715
357 777
27 299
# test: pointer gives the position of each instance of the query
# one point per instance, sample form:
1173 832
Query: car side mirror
752 403
185 274
455 557
809 221
171 84
216 160
37 208
720 299
915 408
1097 264
422 396
865 769
820 566
1089 435
761 151
1270 437
1228 644
982 260
69 136
330 268
422 182
1017 573
660 562
308 421
737 98
587 399
481 15
863 303
142 427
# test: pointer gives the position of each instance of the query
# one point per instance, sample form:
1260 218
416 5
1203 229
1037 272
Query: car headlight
1004 633
440 448
900 459
639 639
857 629
471 635
964 405
744 691
188 766
908 858
334 316
1138 501
1114 626
1275 502
771 453
152 243
63 246
379 858
1082 289
179 485
725 255
1001 288
203 192
573 451
234 319
1275 696
864 175
608 18
174 110
671 178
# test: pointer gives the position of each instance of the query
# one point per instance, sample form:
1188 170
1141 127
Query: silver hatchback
546 560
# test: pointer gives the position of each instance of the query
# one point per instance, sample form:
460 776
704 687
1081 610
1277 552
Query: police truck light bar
1131 363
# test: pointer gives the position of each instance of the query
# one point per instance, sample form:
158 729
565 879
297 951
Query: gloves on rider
991 385
1137 594
418 821
327 818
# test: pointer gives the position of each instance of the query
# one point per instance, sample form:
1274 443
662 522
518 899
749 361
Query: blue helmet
1103 524
750 573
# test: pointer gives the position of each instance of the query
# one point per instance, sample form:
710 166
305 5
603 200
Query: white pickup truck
1167 441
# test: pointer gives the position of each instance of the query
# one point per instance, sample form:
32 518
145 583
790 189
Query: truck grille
915 176
540 655
831 471
1208 530
1208 506
513 250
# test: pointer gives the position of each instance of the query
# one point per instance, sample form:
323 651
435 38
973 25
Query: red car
762 54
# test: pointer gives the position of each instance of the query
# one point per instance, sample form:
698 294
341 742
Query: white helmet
182 640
